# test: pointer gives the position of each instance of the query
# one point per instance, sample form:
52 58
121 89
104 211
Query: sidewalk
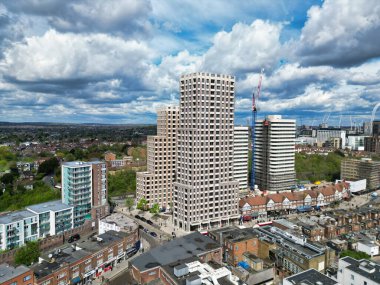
117 270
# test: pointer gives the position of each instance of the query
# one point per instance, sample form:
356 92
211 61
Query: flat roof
49 206
81 163
8 272
311 277
120 220
365 268
188 246
69 255
15 216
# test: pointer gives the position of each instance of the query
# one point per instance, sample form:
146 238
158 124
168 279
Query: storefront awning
75 280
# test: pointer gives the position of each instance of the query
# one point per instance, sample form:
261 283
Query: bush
354 254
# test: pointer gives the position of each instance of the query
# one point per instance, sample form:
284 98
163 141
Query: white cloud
56 56
341 33
245 48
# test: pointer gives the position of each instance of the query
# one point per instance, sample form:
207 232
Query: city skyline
117 62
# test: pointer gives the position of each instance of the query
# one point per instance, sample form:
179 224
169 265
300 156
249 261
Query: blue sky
117 61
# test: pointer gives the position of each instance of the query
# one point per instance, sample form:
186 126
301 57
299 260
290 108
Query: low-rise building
20 275
116 222
80 263
368 246
293 253
310 277
151 265
192 272
358 272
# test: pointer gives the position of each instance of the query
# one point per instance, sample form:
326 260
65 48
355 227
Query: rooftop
15 216
80 163
8 272
191 245
120 220
49 206
74 252
365 268
311 277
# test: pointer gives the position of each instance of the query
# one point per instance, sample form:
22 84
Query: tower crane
255 98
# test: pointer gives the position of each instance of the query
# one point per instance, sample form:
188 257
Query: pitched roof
327 191
253 201
277 198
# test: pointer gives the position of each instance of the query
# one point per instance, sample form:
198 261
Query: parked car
141 227
137 217
73 238
145 230
143 219
153 234
149 222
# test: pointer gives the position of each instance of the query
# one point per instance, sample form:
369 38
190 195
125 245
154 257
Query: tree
122 183
142 204
155 209
28 254
7 178
48 166
129 203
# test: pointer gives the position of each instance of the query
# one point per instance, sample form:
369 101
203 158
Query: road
123 278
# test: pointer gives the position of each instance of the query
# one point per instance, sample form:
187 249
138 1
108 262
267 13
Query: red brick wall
20 279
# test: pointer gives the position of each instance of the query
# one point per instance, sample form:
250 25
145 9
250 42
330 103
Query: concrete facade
156 184
275 153
353 169
205 192
241 144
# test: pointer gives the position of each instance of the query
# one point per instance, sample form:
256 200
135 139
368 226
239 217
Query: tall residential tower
241 135
275 154
205 192
155 184
84 186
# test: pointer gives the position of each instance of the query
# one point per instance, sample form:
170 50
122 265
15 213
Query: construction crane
255 98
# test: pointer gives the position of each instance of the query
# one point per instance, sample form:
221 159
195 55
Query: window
365 283
14 283
352 277
26 278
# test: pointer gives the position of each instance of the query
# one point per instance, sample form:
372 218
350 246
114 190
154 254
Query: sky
117 61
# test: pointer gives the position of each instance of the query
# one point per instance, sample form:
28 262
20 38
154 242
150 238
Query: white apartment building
241 144
54 217
205 192
358 272
155 184
275 153
37 221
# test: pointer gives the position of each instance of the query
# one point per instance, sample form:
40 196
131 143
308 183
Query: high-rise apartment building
275 154
354 169
241 144
205 192
84 186
155 184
